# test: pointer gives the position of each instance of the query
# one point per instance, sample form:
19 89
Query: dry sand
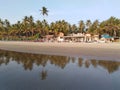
106 51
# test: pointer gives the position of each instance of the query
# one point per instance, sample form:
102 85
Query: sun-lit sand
108 51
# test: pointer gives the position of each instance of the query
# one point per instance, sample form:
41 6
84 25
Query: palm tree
1 27
31 22
6 28
19 27
45 28
93 29
44 11
39 26
81 26
1 23
111 26
88 25
74 28
26 26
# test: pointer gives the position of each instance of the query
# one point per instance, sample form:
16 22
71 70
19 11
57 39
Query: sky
71 11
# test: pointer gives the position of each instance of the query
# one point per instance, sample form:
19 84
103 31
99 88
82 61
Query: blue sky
70 10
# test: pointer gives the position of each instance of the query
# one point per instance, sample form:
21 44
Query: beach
100 51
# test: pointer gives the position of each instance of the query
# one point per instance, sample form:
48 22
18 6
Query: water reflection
28 60
43 74
23 71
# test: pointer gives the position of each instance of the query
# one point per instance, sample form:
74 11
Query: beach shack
79 37
106 37
60 37
48 38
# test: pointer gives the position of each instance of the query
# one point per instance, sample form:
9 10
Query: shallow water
22 71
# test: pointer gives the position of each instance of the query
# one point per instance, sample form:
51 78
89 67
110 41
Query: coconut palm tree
44 11
19 27
81 26
1 27
111 26
1 23
45 28
88 25
93 29
6 28
31 24
25 26
39 26
74 28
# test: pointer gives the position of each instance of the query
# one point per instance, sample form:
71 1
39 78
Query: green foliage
28 29
44 11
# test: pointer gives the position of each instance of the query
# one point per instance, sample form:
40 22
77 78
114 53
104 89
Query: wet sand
101 51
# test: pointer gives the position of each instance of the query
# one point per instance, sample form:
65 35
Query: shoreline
101 51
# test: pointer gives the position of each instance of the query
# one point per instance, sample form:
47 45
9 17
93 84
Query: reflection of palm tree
94 63
87 63
111 66
80 62
28 61
43 75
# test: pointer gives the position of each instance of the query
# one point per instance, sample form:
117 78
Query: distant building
106 37
60 37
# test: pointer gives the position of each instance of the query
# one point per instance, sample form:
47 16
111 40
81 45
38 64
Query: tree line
29 29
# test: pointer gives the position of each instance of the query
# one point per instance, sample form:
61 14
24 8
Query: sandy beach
106 51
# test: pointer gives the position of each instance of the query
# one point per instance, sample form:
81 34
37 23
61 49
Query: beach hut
60 37
107 37
48 38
